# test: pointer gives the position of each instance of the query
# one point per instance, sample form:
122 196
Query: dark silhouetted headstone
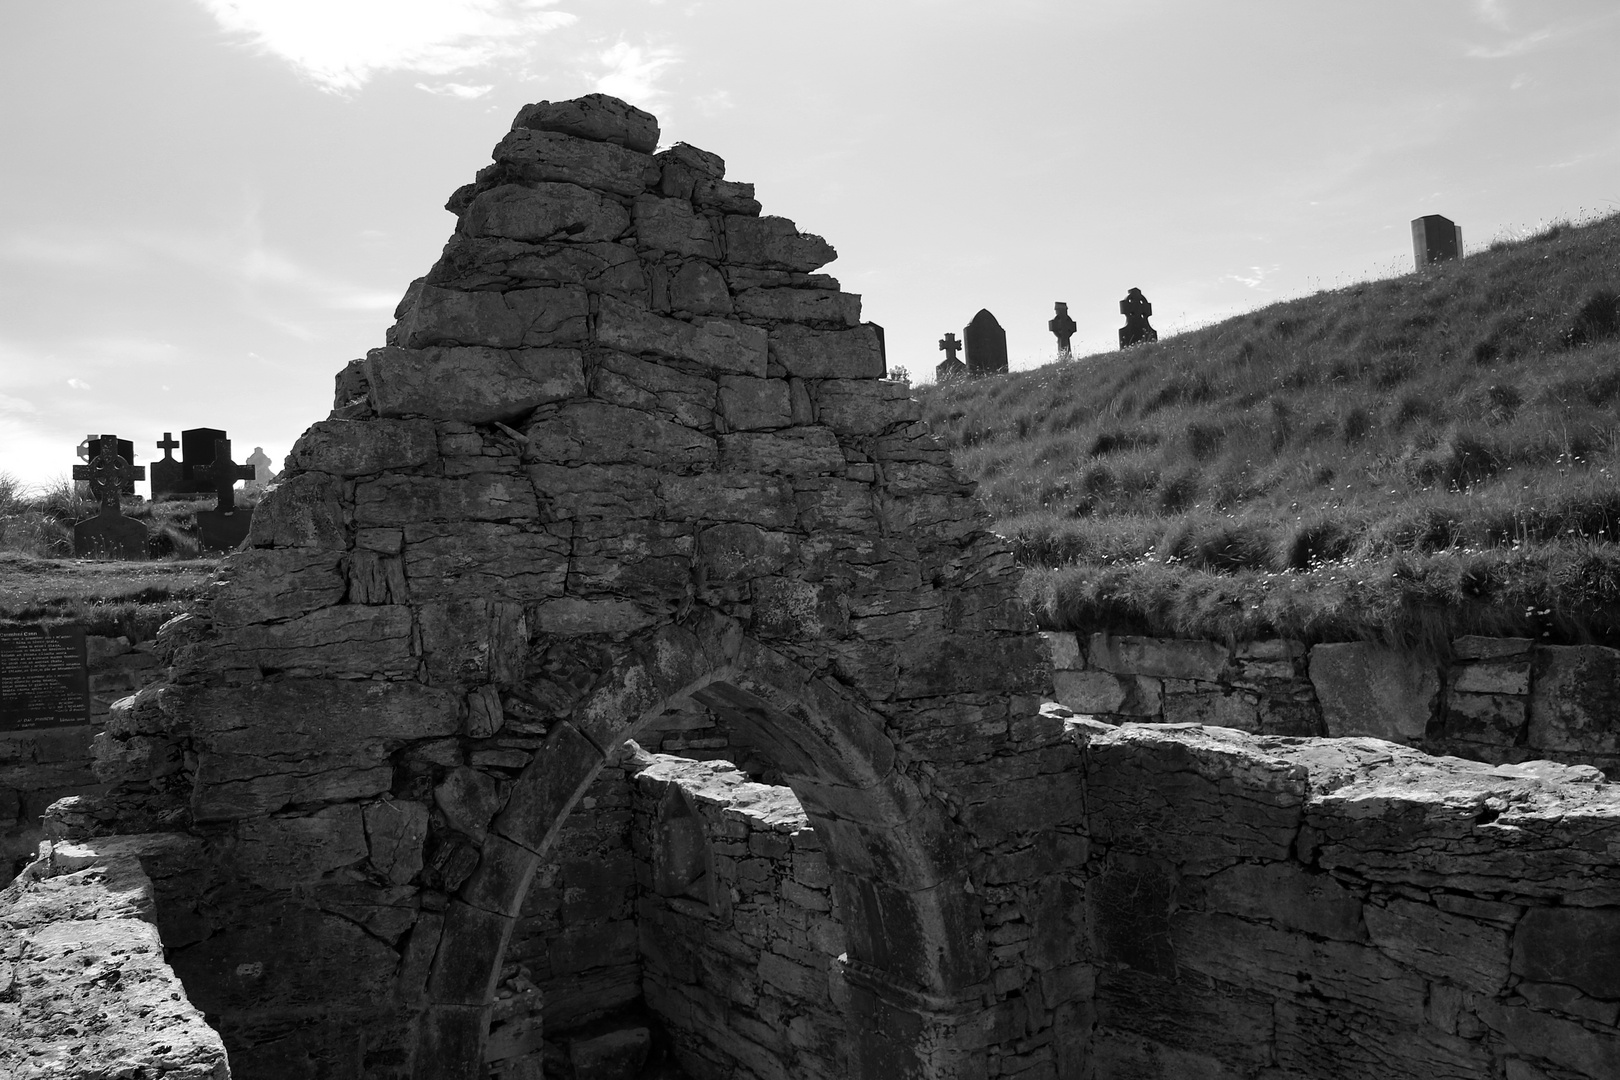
226 526
126 450
44 677
1137 330
261 470
1062 328
950 367
986 345
197 451
1435 239
109 534
168 477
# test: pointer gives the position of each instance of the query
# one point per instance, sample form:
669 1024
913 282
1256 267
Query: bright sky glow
207 207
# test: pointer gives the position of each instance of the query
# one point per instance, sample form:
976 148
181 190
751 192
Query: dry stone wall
1499 700
1336 909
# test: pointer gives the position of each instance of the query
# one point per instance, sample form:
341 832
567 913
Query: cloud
632 71
78 384
340 44
1255 278
16 406
450 89
1492 13
1516 47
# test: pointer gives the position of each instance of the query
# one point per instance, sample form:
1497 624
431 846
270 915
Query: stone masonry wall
1490 699
1273 908
41 765
740 943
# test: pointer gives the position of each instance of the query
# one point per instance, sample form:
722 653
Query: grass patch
1383 461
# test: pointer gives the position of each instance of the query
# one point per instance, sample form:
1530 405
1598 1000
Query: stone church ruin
627 470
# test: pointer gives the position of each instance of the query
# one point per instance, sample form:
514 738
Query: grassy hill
1403 460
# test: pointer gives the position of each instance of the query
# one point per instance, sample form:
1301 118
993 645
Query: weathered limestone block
715 343
491 262
592 433
827 354
818 307
1102 692
263 584
1368 689
1494 720
594 116
1187 702
1572 699
352 448
1506 676
488 384
698 288
727 197
572 615
303 511
1475 647
1065 650
1575 945
1440 945
1565 1043
275 852
754 404
1288 895
609 492
349 640
766 501
1163 658
683 165
652 559
534 155
867 407
376 578
516 562
774 243
671 225
84 989
630 381
467 641
395 831
809 451
519 319
545 211
398 500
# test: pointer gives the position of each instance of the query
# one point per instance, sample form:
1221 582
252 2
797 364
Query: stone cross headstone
1435 239
126 450
226 526
109 534
1137 330
168 477
261 470
950 367
986 345
1062 328
197 451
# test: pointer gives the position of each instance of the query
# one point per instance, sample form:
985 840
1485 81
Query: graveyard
626 679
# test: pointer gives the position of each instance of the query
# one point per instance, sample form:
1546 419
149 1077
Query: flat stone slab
84 989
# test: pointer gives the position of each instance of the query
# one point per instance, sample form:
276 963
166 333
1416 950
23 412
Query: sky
208 207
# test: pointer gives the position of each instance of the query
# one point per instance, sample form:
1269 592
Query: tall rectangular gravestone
197 452
1435 239
986 345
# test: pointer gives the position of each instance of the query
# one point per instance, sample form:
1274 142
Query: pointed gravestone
950 367
126 450
109 535
261 470
1063 328
986 345
1435 239
1136 331
167 476
226 526
197 452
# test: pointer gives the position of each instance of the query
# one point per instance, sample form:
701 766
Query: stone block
1473 647
869 407
765 501
466 968
774 243
738 552
264 584
468 641
1165 658
597 433
828 354
1064 650
1485 719
1572 699
1439 945
468 799
1508 676
283 851
754 404
572 615
472 384
401 500
807 451
1208 704
1565 1043
534 155
540 800
545 211
521 319
350 640
1574 945
302 511
599 117
671 225
1289 896
1102 692
714 343
395 831
817 307
1368 689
